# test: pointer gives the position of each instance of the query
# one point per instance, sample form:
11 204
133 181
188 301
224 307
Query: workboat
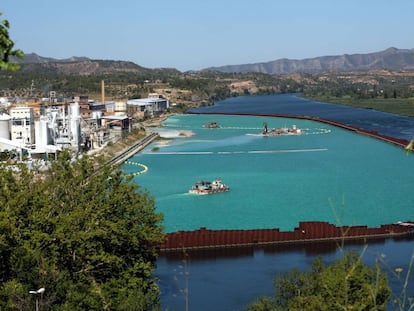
208 187
281 131
212 125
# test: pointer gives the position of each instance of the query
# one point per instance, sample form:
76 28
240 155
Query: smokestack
103 91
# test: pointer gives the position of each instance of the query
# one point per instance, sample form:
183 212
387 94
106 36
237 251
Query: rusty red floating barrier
314 231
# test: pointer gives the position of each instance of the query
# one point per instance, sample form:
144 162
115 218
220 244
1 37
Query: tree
89 237
7 47
347 284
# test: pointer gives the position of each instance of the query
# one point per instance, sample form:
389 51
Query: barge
212 125
208 187
281 131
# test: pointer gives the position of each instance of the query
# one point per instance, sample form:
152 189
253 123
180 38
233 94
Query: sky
197 34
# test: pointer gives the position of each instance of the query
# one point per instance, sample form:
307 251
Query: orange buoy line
144 167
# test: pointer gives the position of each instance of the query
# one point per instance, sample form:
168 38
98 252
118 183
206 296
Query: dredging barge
208 187
281 131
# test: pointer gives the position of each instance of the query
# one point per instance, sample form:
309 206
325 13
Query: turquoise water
327 174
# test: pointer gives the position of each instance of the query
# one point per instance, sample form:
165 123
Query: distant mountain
33 58
392 59
34 63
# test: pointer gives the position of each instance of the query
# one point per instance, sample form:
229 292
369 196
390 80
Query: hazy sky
195 34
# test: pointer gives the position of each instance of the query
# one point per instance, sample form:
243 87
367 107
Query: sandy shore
156 121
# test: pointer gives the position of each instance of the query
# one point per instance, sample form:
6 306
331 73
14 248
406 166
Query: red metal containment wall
311 231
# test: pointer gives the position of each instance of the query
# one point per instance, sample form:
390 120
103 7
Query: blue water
290 104
231 279
326 174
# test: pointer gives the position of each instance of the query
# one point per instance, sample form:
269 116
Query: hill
124 80
83 66
390 59
33 58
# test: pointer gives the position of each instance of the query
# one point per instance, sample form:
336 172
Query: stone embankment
133 149
136 147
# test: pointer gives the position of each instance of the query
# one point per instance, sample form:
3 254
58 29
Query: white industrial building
22 125
120 108
21 143
59 127
147 106
35 132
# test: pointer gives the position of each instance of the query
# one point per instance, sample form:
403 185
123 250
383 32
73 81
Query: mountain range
391 59
83 66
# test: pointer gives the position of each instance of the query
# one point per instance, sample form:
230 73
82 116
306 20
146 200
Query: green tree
7 47
347 284
89 237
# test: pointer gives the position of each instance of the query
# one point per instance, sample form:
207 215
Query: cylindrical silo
5 126
42 133
75 129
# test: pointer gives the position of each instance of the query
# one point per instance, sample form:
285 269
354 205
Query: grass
400 106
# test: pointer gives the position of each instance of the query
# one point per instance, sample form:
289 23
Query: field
401 106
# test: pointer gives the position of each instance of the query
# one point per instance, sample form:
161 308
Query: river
229 279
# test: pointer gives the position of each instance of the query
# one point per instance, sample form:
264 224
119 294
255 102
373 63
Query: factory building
147 107
22 125
36 129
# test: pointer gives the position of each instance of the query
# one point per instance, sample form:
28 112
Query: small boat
209 187
281 131
212 125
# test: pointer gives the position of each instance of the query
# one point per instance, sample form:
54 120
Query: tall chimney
103 91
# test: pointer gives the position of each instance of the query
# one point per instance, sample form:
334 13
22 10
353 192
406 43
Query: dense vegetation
383 91
7 49
89 237
36 81
347 284
401 106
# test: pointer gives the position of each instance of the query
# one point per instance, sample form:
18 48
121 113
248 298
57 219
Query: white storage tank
41 133
5 126
74 111
75 129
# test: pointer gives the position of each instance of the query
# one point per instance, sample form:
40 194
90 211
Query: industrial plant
38 128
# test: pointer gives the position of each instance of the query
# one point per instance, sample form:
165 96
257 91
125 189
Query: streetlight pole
36 293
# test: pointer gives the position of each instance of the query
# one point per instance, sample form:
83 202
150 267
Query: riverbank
116 149
399 106
156 121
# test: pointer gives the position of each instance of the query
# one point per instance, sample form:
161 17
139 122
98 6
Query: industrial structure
147 107
38 128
